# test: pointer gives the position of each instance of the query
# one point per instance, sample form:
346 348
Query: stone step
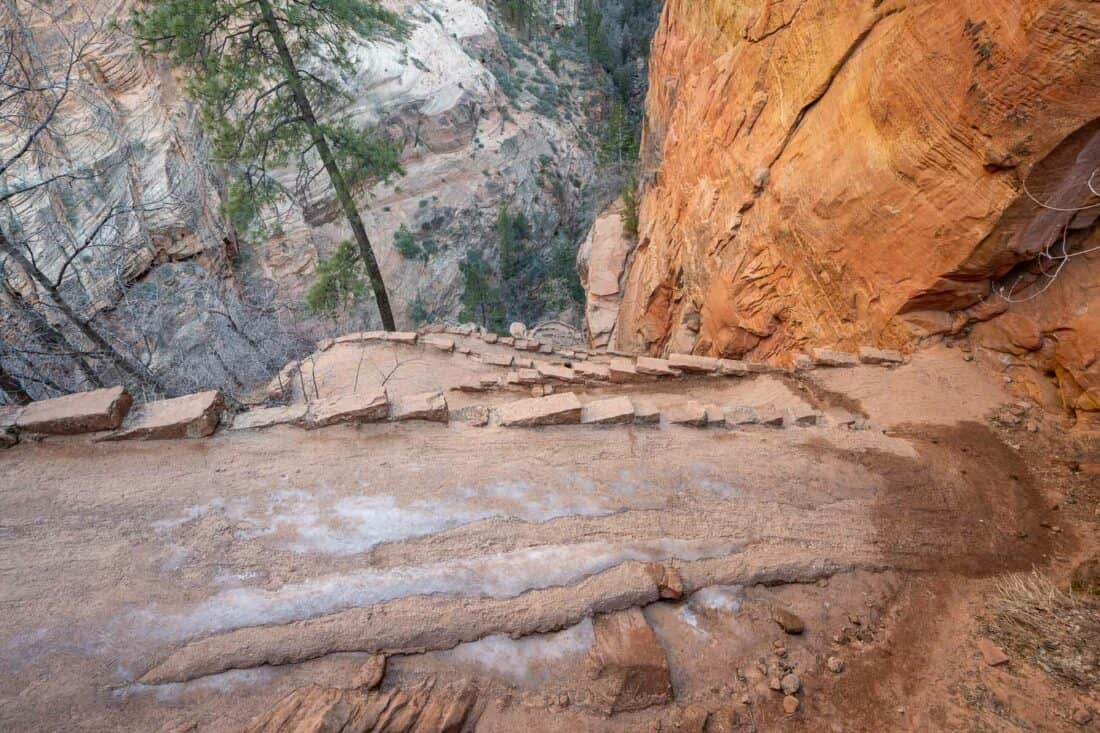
693 364
369 406
83 412
442 343
871 355
611 411
655 367
192 416
266 417
558 409
429 406
594 371
834 358
692 414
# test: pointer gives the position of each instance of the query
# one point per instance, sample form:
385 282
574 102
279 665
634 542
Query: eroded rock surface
627 663
798 196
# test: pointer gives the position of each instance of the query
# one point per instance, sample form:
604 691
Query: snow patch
527 660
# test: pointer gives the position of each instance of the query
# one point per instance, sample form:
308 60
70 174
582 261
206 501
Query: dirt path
140 583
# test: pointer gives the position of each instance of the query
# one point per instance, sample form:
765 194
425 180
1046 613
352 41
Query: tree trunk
10 386
101 344
343 193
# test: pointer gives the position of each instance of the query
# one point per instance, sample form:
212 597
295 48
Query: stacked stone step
566 409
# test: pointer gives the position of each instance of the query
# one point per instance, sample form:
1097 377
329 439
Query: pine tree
254 67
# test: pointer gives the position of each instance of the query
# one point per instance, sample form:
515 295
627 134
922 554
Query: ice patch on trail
504 575
717 598
223 682
527 660
332 523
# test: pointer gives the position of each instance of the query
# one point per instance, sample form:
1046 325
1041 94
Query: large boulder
83 412
193 416
627 664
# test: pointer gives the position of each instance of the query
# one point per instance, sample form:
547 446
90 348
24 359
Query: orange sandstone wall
851 172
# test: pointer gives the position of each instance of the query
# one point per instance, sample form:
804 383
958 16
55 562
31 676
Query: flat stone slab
715 416
612 411
834 358
771 416
430 406
554 371
83 412
655 367
802 362
624 371
871 355
558 409
191 416
370 406
592 370
402 337
802 416
361 336
529 376
740 416
439 342
266 417
693 364
500 360
647 413
732 368
692 414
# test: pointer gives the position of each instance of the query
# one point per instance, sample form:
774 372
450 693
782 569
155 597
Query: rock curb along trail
199 415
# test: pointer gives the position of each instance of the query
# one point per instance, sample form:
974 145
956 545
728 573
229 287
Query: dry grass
1058 630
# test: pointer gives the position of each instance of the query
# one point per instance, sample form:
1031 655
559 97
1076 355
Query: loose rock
791 705
627 663
788 621
791 684
992 654
835 664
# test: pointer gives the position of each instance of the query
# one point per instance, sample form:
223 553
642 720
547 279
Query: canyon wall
483 121
819 173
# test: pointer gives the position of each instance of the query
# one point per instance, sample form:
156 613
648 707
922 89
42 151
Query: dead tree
36 86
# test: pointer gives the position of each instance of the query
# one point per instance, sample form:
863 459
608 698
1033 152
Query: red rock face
849 174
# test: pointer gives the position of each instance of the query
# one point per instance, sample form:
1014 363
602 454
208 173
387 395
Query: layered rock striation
848 174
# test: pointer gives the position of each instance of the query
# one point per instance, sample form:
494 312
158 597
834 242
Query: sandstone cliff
822 173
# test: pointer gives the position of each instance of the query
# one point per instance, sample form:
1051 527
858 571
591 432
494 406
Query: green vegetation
630 208
263 111
339 282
